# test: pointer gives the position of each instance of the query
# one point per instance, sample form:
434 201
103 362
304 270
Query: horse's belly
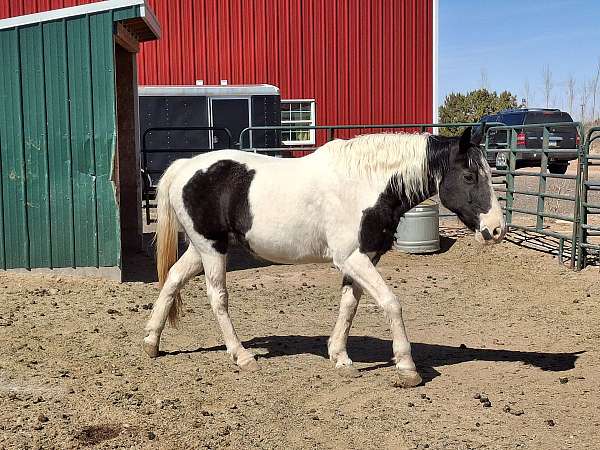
288 250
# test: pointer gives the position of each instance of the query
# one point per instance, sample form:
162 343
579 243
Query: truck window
547 117
512 119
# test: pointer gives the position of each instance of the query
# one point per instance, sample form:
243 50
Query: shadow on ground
428 357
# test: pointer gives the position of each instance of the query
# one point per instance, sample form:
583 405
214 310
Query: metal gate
554 230
589 230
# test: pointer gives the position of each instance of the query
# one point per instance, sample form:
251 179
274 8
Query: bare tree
548 83
584 99
570 93
527 92
484 84
594 90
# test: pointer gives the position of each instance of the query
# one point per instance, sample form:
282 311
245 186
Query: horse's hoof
249 365
246 361
348 371
150 349
407 379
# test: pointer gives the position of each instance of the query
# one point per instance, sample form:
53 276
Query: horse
340 204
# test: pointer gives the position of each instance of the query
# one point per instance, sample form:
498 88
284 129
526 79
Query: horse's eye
469 178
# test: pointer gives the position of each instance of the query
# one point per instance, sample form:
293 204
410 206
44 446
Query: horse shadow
377 353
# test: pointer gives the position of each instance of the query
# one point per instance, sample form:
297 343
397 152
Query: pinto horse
340 204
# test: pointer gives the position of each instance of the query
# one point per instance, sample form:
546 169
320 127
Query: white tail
167 228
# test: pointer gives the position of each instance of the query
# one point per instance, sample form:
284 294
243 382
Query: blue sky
510 42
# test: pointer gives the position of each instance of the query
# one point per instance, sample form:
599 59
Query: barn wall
364 61
57 143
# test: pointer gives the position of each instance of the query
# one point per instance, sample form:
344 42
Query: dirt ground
505 323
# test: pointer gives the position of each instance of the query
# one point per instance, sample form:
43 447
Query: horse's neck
438 159
437 168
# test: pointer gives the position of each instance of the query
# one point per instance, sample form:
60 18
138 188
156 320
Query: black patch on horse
347 281
216 199
379 222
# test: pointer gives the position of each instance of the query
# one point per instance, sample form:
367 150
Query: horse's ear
465 140
477 135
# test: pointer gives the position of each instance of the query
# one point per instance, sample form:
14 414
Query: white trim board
71 11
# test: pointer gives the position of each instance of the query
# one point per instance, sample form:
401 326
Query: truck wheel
558 168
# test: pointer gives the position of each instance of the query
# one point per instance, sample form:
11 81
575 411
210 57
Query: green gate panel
35 145
104 125
59 145
16 240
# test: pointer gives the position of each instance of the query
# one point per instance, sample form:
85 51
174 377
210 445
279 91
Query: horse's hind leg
185 268
215 272
351 293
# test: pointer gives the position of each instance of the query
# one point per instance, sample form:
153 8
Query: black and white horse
341 204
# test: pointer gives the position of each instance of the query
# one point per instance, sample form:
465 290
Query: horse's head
466 189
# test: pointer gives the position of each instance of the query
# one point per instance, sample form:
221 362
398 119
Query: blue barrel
419 230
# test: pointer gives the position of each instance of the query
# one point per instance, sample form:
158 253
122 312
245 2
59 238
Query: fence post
582 174
510 176
541 203
330 134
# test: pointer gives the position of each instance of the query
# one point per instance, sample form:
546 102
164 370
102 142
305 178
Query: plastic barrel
419 230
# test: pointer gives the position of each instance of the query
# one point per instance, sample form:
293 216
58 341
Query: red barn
336 62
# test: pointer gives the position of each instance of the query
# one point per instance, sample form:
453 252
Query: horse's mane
400 158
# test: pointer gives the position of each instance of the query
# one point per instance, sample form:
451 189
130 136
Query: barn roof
142 22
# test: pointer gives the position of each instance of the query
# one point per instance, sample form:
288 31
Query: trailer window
298 113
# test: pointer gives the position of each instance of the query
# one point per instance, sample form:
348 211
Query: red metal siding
363 61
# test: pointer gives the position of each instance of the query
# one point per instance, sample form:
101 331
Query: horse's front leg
359 267
351 293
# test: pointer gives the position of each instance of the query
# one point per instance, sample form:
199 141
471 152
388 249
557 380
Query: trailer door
230 113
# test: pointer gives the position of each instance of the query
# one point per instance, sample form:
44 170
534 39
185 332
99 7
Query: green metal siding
82 143
58 205
36 150
16 235
59 145
104 124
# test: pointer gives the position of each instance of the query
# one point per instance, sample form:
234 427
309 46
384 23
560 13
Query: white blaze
493 220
